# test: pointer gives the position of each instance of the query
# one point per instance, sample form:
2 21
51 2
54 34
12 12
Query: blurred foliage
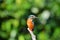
43 36
14 13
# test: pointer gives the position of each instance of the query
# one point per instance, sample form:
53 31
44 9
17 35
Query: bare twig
32 34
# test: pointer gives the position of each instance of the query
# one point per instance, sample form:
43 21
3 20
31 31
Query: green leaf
9 1
26 5
15 23
3 34
21 37
39 3
43 36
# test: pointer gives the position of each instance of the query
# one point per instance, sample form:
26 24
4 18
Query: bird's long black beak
36 17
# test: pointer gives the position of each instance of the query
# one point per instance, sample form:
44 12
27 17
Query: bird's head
32 17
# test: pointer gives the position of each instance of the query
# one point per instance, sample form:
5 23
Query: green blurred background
14 13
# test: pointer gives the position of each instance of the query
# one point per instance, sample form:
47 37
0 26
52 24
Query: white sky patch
34 10
45 14
13 33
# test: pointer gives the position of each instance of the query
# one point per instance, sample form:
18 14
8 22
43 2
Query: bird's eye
32 16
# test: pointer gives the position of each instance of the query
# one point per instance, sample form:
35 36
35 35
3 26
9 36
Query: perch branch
32 34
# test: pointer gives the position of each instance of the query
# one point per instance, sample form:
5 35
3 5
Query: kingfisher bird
30 22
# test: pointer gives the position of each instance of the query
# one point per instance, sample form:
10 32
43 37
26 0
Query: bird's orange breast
30 24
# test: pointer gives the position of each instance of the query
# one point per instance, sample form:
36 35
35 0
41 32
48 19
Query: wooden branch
32 34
